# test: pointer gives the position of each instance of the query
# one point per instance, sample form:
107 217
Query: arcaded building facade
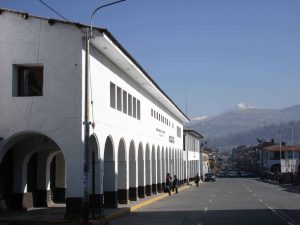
136 129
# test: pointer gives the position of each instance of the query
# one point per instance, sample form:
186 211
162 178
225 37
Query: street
242 201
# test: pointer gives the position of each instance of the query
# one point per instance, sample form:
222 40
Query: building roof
107 44
277 148
193 132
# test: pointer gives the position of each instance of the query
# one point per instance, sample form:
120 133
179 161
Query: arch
148 171
94 173
154 169
167 161
132 172
26 166
141 172
159 174
172 162
123 194
163 167
109 178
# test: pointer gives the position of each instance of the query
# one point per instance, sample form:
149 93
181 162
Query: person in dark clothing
175 184
197 179
168 183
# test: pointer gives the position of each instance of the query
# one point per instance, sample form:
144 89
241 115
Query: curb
137 206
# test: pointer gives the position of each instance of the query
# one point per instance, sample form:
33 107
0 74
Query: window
152 112
178 132
112 95
119 99
138 110
29 81
125 102
129 104
134 107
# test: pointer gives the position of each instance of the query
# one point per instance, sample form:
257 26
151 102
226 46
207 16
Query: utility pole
87 121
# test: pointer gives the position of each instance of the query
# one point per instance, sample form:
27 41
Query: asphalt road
231 201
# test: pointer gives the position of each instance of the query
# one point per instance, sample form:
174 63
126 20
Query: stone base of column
133 194
141 191
21 201
159 189
110 199
148 190
154 189
123 196
74 208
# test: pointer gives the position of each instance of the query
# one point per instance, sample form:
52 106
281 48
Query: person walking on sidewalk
197 179
175 184
168 183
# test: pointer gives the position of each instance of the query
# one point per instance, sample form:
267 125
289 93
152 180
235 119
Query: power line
54 10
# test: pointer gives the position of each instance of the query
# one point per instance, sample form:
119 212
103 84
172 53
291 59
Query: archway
141 172
148 171
154 175
109 178
123 193
159 175
132 173
94 174
32 172
163 168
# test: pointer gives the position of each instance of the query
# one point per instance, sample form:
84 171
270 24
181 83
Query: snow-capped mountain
243 118
244 106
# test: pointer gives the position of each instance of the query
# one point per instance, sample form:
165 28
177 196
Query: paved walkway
55 215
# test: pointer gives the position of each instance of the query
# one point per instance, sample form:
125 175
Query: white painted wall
58 113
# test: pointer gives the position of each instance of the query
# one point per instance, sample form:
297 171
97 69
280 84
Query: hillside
243 126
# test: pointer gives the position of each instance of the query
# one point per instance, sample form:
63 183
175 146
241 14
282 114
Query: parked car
209 177
243 173
222 174
232 173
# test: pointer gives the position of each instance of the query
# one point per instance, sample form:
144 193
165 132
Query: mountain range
244 123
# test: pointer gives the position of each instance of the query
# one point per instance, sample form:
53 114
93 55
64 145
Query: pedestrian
168 184
197 179
175 184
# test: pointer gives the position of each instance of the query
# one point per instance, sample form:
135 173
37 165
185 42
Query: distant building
271 156
192 154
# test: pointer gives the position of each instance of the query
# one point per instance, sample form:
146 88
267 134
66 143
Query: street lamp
280 148
87 122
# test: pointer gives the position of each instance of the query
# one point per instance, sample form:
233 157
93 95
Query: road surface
228 201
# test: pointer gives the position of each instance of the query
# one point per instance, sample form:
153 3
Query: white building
192 155
138 132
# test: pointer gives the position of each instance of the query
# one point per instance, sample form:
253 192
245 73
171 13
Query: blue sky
212 53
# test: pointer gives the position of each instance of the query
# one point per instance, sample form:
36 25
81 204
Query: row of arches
33 171
137 171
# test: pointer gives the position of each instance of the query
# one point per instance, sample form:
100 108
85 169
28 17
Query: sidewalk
55 214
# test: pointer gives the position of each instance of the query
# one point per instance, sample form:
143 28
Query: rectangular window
134 107
129 104
28 81
112 95
125 102
178 132
184 137
151 112
119 98
138 109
